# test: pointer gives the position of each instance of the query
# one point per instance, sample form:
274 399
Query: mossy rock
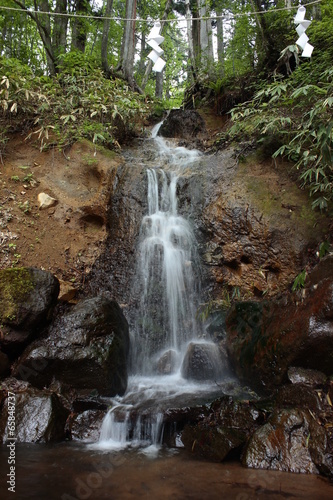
15 286
26 296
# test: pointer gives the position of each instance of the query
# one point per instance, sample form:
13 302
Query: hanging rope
225 17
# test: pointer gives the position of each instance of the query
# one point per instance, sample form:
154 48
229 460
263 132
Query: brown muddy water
69 471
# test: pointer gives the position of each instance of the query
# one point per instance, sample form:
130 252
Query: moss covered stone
27 298
15 285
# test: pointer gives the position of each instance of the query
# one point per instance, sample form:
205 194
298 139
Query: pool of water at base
70 471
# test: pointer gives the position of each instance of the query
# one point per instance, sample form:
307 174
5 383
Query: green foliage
299 281
229 295
300 118
79 102
324 249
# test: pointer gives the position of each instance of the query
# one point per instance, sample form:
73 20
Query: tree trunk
206 44
159 85
128 45
79 31
190 39
142 54
105 38
59 37
267 51
44 28
196 33
220 41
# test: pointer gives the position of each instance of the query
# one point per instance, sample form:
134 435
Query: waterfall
167 263
172 365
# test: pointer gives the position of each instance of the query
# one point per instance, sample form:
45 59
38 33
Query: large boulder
265 338
39 415
182 123
283 443
291 431
86 348
225 429
27 299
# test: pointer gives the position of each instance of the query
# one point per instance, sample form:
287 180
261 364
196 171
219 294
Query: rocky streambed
57 361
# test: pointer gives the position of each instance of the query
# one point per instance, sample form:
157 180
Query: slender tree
80 25
205 37
220 39
53 34
105 38
126 65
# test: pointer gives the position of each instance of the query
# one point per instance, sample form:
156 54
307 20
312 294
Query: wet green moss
15 285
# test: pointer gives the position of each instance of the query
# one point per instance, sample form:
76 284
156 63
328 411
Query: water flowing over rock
85 348
27 299
202 361
187 230
167 275
165 298
263 342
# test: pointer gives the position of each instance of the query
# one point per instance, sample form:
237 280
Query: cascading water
166 318
166 333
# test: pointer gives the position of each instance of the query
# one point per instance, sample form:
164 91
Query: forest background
79 68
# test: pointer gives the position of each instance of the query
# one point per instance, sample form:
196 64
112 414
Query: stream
70 471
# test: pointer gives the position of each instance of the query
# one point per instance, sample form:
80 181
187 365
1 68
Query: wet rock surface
39 415
85 426
86 348
263 343
291 431
202 361
282 444
225 429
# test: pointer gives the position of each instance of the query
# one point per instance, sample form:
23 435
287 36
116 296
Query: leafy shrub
79 102
300 117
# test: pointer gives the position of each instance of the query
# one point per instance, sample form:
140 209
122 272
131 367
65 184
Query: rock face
184 124
292 431
264 339
27 299
252 223
39 416
85 349
226 428
282 444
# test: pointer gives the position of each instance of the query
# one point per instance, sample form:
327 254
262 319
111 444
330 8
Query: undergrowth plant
79 102
299 117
